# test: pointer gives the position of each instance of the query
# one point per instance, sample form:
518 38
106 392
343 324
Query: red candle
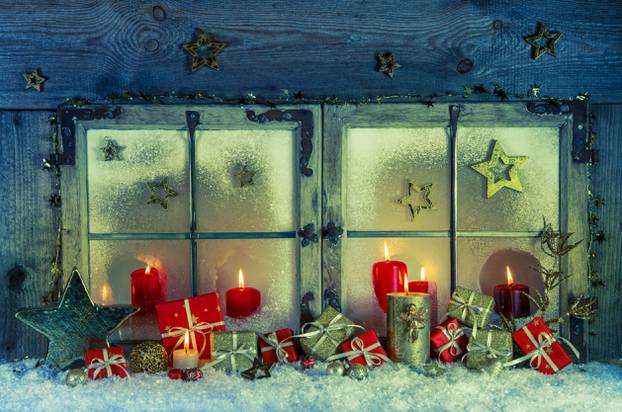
427 286
510 301
388 277
242 301
146 290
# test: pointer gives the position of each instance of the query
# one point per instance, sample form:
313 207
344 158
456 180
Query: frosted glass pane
118 191
359 301
378 165
508 209
269 158
482 263
270 265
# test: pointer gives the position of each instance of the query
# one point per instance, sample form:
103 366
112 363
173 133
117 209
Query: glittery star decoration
35 80
74 323
160 192
551 37
111 150
487 169
263 370
415 197
204 40
245 176
387 64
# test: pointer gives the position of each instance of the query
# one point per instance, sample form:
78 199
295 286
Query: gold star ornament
245 176
35 80
540 47
511 164
417 199
160 192
387 64
205 57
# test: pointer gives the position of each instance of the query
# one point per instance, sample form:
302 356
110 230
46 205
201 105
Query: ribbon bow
359 349
246 351
541 344
279 347
100 364
326 332
468 309
451 332
415 320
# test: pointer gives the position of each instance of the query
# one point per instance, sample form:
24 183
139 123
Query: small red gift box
103 363
198 316
365 349
542 350
448 341
278 347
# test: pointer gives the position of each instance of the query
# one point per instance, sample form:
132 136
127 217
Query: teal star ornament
76 321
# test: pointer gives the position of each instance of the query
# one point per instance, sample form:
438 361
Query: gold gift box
488 347
322 345
470 307
233 351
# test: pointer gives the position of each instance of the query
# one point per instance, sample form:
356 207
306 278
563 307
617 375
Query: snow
590 387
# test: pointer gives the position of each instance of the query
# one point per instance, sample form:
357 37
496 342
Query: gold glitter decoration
387 64
204 40
415 195
414 317
160 193
35 80
537 49
149 357
486 169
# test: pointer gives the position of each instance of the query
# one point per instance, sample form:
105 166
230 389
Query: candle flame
105 293
406 283
187 341
387 256
147 269
422 273
509 275
241 279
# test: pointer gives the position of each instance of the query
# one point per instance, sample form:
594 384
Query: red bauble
307 363
175 373
191 375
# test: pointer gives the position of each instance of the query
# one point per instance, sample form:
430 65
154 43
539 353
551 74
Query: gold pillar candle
408 327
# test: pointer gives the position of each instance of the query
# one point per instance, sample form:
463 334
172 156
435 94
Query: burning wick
387 256
186 341
509 275
406 287
241 279
422 273
147 270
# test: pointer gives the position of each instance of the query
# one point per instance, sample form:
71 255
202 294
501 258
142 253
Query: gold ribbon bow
325 332
247 351
359 349
415 319
202 328
468 309
541 344
279 347
100 364
451 332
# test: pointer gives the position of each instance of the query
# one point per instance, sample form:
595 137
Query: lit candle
388 277
427 286
186 358
510 301
242 301
146 290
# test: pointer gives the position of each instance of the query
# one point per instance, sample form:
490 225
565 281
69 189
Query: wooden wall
323 48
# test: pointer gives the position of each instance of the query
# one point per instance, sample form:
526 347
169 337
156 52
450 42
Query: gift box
278 347
199 316
364 350
233 351
542 350
321 339
106 362
470 308
448 341
489 347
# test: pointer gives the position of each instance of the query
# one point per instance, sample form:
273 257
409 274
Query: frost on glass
508 210
378 165
266 156
270 265
358 298
482 264
118 191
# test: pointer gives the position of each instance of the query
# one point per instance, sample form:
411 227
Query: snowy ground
591 387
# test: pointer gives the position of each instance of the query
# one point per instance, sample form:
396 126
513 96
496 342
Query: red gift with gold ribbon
448 342
106 362
278 347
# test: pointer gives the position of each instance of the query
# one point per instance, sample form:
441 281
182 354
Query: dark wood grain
92 49
26 232
606 331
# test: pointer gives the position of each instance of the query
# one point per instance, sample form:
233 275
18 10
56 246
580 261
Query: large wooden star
417 199
204 40
486 169
537 48
76 321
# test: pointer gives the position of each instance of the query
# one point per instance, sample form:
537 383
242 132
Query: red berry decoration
191 375
176 373
307 363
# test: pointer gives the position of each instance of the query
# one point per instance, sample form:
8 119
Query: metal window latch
308 235
332 232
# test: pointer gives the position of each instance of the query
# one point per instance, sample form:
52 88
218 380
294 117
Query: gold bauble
150 357
76 377
335 368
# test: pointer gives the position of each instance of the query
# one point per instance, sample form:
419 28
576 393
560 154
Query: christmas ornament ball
358 372
335 368
307 363
76 377
191 375
148 357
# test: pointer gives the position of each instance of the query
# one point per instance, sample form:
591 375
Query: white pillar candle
186 358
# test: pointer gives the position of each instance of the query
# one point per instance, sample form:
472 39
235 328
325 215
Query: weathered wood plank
606 331
92 49
27 228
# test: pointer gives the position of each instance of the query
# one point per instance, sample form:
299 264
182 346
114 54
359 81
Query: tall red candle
242 301
388 277
510 301
146 290
427 286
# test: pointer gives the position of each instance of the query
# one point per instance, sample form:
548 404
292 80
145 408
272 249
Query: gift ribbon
541 343
100 364
325 332
202 328
246 351
359 349
279 347
468 309
474 347
451 332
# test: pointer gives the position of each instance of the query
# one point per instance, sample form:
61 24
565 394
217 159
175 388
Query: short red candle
146 290
427 286
388 277
242 301
510 301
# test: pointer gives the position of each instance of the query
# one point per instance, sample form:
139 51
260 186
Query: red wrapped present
278 347
198 316
448 341
542 350
103 363
365 349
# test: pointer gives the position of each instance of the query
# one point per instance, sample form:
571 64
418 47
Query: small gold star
537 49
204 309
536 322
387 64
175 315
245 176
528 346
486 169
415 196
160 192
214 47
111 150
194 318
35 80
